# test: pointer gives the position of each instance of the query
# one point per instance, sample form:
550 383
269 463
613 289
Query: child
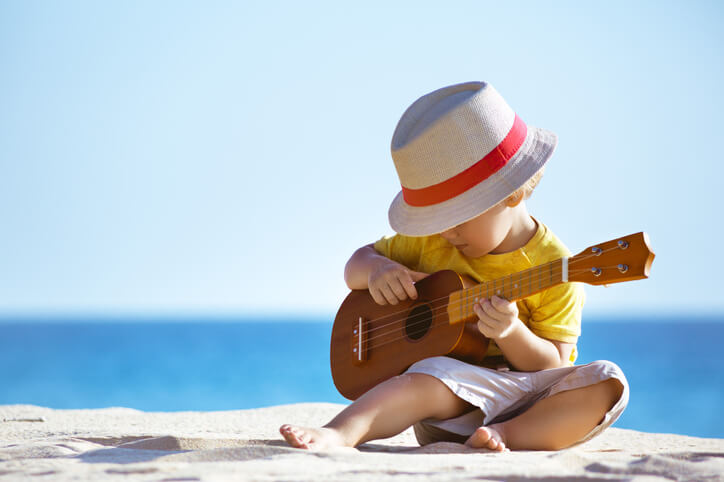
466 163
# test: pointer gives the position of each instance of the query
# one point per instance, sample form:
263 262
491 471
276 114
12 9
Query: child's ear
514 199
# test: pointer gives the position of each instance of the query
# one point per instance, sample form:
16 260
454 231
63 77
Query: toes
286 430
293 436
478 438
485 438
495 444
310 438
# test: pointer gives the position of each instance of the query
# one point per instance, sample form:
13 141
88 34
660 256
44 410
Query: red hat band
473 175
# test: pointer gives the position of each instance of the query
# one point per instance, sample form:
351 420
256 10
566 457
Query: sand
38 443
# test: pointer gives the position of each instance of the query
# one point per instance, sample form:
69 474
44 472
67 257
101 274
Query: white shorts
503 394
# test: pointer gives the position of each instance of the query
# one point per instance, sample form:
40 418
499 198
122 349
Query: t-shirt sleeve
559 315
403 249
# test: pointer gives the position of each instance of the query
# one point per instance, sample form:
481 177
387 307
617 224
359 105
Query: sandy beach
38 443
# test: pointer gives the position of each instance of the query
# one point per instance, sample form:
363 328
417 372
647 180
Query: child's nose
449 234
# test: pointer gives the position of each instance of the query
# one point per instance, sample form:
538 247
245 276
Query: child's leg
555 422
386 410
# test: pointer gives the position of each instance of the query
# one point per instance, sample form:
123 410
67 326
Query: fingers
407 283
487 324
497 316
503 305
402 287
498 308
486 311
379 298
394 286
391 292
386 296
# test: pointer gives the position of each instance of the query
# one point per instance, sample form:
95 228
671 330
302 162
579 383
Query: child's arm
388 281
526 351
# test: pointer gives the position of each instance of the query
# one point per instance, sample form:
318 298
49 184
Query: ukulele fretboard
512 287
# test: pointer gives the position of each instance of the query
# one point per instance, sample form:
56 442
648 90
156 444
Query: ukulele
371 342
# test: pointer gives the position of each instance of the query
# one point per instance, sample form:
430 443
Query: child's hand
497 317
391 282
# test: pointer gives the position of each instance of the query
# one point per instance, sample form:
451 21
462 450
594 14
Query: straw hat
459 151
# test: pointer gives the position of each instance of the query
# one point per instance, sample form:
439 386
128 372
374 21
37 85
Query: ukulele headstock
621 259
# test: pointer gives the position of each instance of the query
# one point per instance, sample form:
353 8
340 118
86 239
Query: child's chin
470 251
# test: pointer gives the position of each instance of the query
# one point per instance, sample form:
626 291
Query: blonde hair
524 191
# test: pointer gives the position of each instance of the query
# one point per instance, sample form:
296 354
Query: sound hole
418 322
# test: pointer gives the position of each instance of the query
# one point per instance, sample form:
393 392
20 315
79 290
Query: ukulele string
541 275
467 300
411 322
437 309
423 317
421 330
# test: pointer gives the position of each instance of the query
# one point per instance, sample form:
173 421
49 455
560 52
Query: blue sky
226 158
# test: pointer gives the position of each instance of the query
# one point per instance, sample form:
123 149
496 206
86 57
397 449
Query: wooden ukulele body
371 343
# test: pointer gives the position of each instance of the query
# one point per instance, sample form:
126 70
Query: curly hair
524 191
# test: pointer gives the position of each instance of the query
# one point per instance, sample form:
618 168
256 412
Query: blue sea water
674 367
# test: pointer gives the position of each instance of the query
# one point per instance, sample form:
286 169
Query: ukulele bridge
359 341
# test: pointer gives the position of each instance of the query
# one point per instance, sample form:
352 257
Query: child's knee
602 397
613 386
613 391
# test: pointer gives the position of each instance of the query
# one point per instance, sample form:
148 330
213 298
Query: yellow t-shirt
554 314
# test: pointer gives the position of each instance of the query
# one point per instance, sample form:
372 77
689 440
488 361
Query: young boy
466 163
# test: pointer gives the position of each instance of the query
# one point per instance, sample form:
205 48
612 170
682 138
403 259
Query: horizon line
308 316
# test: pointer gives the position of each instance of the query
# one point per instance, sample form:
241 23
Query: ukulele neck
512 287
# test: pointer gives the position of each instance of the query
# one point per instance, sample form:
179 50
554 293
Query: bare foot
487 438
311 438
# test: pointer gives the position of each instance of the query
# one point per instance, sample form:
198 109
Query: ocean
675 368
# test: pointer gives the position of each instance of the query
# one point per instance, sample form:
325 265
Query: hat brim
535 151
